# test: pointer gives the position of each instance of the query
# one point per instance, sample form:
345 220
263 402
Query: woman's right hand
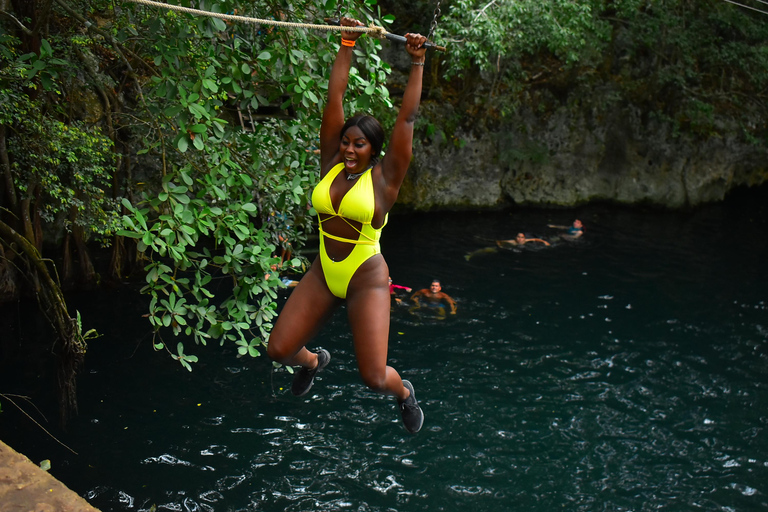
350 22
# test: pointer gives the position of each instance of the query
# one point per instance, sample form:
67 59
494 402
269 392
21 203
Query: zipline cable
373 30
746 6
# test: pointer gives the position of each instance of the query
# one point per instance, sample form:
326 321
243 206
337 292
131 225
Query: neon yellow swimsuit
357 205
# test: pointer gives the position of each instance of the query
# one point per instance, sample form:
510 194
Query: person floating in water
520 239
433 297
357 189
573 231
393 288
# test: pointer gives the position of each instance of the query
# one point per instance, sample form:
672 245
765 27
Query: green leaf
129 234
198 110
219 24
211 85
183 144
173 111
46 81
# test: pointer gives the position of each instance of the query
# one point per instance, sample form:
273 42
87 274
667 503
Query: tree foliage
690 62
233 117
55 170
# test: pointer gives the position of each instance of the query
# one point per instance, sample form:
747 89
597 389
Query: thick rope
373 30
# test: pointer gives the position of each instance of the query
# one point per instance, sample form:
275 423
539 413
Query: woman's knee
375 379
277 352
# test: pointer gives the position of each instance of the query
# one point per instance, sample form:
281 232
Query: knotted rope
373 30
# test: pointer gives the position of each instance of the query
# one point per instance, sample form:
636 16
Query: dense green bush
692 63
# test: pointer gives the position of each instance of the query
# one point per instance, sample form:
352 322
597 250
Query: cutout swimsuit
358 205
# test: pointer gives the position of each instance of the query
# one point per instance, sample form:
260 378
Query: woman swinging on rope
355 193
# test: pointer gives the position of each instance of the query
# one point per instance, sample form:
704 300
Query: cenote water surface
626 371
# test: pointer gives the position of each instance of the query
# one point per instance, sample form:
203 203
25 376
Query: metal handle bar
394 37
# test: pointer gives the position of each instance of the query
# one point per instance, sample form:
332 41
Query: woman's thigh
308 307
368 304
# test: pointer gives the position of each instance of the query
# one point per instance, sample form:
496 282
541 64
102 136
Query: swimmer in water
520 239
393 290
573 231
433 297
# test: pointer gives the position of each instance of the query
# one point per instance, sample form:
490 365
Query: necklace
351 177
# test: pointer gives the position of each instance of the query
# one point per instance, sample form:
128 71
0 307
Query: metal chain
434 21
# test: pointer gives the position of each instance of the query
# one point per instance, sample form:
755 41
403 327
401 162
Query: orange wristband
347 42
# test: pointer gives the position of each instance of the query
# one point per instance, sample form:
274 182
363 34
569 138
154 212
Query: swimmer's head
435 286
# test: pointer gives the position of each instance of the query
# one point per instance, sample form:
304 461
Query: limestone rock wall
571 157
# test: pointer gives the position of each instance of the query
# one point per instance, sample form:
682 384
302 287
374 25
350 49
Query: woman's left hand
414 45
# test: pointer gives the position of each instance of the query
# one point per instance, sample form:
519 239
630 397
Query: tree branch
482 11
120 49
20 24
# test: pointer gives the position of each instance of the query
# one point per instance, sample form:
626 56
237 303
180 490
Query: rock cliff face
569 157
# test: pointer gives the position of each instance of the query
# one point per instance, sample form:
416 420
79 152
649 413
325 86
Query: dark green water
626 371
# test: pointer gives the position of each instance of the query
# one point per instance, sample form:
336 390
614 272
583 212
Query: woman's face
355 150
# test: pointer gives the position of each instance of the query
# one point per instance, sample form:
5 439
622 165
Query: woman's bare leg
308 307
368 304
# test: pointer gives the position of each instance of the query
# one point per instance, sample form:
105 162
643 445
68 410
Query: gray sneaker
413 417
304 378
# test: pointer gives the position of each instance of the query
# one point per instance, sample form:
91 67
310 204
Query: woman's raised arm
398 156
333 114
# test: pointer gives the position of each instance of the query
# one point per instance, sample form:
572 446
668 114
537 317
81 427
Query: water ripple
624 373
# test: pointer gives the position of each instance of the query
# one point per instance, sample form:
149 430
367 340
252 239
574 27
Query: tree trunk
8 289
87 272
10 190
69 345
67 268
